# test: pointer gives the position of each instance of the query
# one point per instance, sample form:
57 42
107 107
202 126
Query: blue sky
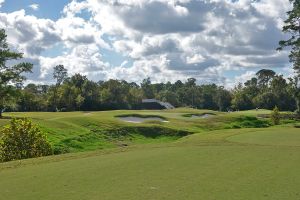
47 8
52 9
220 41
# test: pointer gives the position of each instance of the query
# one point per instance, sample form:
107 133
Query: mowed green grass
200 166
227 164
274 137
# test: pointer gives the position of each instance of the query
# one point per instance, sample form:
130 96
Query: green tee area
188 154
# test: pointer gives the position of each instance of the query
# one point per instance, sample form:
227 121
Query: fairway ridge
274 137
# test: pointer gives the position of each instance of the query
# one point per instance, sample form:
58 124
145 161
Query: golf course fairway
223 164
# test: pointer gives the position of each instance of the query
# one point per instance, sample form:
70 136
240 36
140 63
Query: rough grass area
284 116
82 131
248 122
121 136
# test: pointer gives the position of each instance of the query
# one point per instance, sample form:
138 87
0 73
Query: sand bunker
202 116
199 116
132 119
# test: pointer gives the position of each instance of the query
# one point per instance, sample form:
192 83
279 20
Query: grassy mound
248 122
99 138
275 137
297 125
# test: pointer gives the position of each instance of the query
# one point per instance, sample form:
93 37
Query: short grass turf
275 137
210 165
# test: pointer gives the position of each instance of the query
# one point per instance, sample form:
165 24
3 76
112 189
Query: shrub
275 116
21 139
248 122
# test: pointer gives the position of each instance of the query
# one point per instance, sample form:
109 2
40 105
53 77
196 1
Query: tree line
265 90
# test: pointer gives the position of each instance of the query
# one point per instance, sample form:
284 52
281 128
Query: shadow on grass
141 116
149 132
6 117
101 138
248 122
200 115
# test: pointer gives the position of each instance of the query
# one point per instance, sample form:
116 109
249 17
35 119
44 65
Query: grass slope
222 159
274 137
204 166
84 131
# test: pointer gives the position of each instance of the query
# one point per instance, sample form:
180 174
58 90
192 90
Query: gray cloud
82 39
29 33
165 39
167 45
160 18
177 62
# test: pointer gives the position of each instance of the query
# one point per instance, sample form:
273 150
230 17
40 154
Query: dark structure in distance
154 104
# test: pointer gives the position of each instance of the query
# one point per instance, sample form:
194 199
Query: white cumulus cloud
1 2
34 6
163 39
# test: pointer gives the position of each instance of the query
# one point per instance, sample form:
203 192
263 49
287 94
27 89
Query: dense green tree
209 96
266 100
252 87
75 91
241 100
114 94
264 76
189 95
223 99
292 28
79 93
66 98
280 88
168 96
10 75
134 97
147 88
91 94
60 73
191 82
33 98
293 89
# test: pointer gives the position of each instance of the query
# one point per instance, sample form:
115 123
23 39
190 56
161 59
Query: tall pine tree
10 75
292 28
